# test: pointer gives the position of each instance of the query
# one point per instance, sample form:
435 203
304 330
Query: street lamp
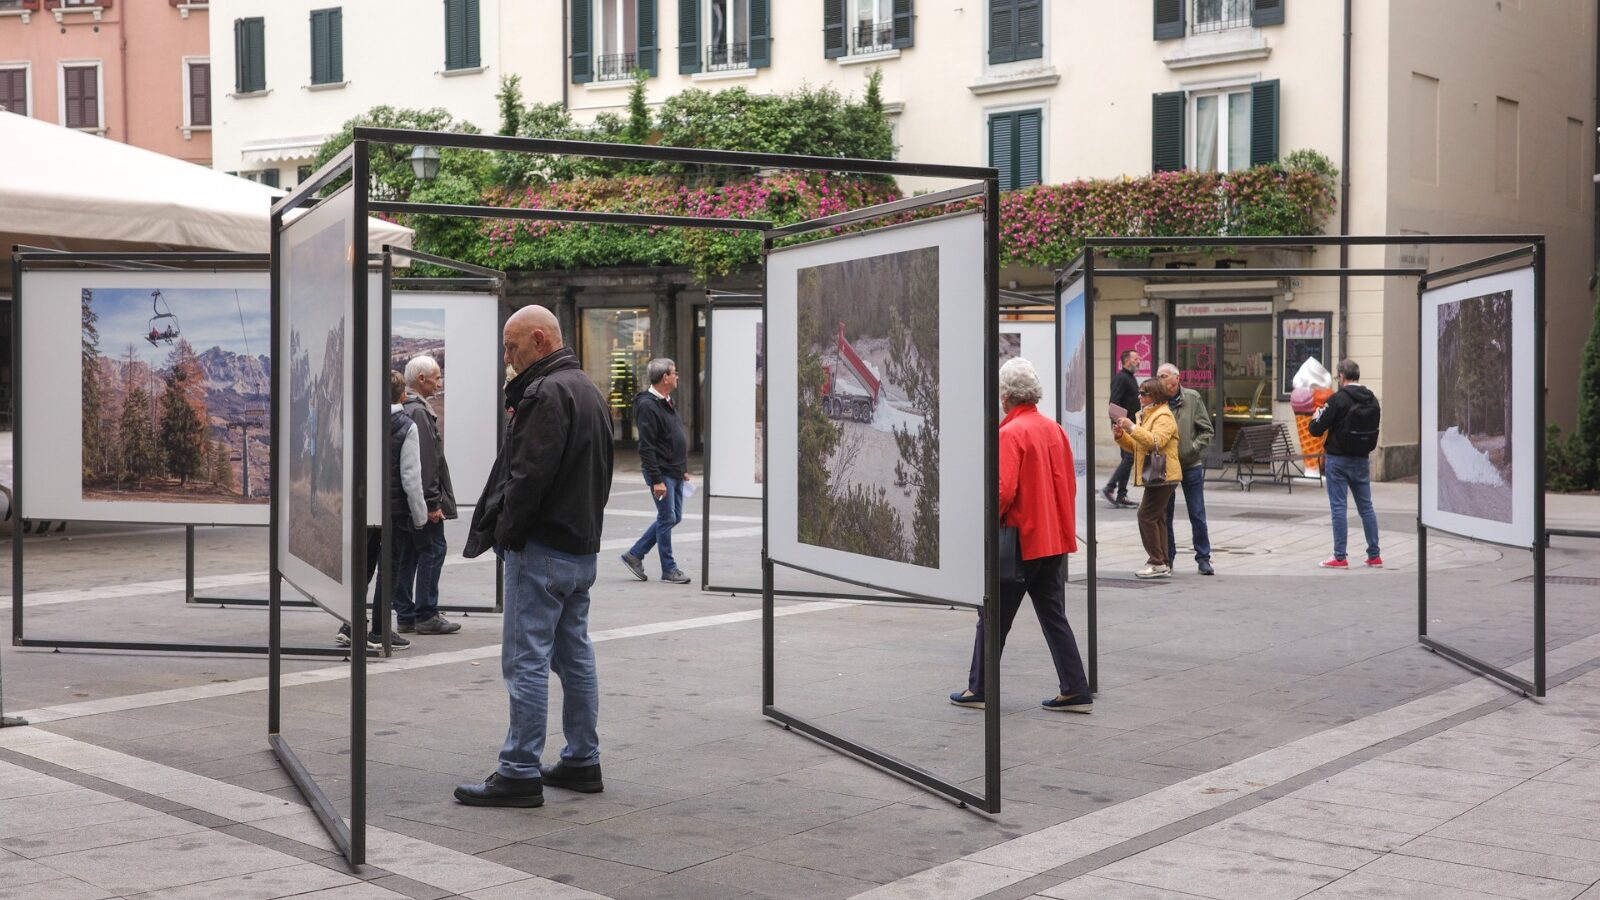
424 162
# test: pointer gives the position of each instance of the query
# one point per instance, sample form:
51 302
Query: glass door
615 348
1197 356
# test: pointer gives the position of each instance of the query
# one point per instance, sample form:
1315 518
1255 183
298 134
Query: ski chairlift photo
163 325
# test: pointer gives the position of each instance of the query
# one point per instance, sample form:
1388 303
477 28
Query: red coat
1038 492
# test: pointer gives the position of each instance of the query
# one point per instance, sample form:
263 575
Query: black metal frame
1525 245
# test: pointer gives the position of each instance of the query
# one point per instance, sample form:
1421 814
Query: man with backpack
1350 421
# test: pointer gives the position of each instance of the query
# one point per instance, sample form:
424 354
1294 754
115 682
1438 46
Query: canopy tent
68 190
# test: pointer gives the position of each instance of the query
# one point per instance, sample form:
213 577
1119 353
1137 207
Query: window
249 55
1176 18
1221 131
616 38
461 34
269 177
859 27
301 173
1016 30
327 46
1015 147
724 35
14 90
80 95
728 35
197 87
1231 129
874 26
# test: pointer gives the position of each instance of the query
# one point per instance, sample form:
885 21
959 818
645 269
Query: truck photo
843 400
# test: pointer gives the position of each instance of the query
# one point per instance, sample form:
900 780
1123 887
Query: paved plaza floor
1272 732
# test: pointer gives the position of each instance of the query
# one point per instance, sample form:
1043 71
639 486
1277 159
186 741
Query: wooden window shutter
249 51
14 90
1169 19
1002 31
688 36
81 96
835 43
1266 12
1030 148
1030 29
1166 130
646 25
336 44
760 34
455 34
327 46
1263 122
240 63
471 53
904 20
199 94
1003 148
582 41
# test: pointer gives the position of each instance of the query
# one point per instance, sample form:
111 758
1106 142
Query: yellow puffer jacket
1154 431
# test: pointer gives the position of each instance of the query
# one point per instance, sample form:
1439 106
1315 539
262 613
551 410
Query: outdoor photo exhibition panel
1034 341
874 324
735 335
160 378
320 286
1073 348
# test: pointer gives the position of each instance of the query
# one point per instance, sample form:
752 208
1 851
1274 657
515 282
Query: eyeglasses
1145 394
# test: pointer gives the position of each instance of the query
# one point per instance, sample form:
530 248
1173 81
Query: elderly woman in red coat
1038 498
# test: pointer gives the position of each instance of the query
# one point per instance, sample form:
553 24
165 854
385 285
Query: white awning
282 149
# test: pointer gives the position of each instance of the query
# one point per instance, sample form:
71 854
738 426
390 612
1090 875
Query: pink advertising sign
1139 337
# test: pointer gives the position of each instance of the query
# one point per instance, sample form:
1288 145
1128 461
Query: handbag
1155 470
1011 556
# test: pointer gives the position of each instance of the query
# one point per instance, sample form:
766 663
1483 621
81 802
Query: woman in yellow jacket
1154 435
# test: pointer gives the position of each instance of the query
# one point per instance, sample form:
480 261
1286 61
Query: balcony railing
1208 16
727 57
616 66
873 37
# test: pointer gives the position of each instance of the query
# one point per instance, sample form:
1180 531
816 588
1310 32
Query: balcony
1211 16
872 37
616 66
727 58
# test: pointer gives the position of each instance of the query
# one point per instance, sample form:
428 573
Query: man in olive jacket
1195 432
542 510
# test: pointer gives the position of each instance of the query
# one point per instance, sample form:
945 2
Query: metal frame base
1468 661
338 829
162 647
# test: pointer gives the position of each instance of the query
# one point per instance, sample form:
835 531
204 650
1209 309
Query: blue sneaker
967 699
1077 703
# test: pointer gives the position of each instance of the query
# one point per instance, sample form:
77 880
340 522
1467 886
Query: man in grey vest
1195 432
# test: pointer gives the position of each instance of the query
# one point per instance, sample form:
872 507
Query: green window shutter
455 34
1030 29
904 19
249 55
688 36
1003 148
1002 31
646 22
1263 122
1166 129
472 57
760 34
1266 12
319 46
1030 149
1169 19
336 42
582 41
834 42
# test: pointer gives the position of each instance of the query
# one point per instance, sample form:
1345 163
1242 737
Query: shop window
615 348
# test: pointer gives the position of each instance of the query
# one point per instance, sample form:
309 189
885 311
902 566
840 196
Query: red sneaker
1375 562
1334 564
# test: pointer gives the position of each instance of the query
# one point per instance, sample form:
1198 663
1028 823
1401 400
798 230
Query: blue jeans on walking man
545 628
669 512
1354 473
1194 500
420 562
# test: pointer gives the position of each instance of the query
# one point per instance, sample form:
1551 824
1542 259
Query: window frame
62 66
1193 24
189 125
1192 125
26 68
882 25
240 46
1027 64
706 46
1042 107
596 10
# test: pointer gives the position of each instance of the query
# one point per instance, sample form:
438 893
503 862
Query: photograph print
1010 345
761 409
412 333
316 283
1474 430
1075 389
176 392
867 358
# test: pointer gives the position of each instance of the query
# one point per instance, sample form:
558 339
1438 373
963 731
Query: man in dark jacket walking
542 510
664 456
1124 393
418 610
1350 420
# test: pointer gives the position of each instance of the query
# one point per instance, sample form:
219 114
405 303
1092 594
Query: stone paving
1271 732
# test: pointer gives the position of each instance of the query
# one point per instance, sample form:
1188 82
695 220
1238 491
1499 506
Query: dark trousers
421 566
1153 521
1119 478
1194 500
1044 586
398 542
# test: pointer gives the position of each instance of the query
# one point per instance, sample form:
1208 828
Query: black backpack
1359 430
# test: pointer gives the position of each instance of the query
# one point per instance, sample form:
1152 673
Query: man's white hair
1019 382
1169 367
420 365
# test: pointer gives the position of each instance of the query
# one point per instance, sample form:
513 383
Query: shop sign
1224 308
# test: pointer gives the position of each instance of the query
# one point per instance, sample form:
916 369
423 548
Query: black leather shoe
1205 567
583 779
498 790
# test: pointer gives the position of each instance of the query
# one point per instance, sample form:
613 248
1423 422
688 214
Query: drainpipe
1344 197
566 52
1595 205
122 52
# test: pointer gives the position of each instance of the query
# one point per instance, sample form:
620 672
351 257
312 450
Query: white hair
420 365
1169 367
1019 382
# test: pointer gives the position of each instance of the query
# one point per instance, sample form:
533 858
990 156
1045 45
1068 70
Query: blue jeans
545 628
1194 499
421 564
1340 472
669 512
